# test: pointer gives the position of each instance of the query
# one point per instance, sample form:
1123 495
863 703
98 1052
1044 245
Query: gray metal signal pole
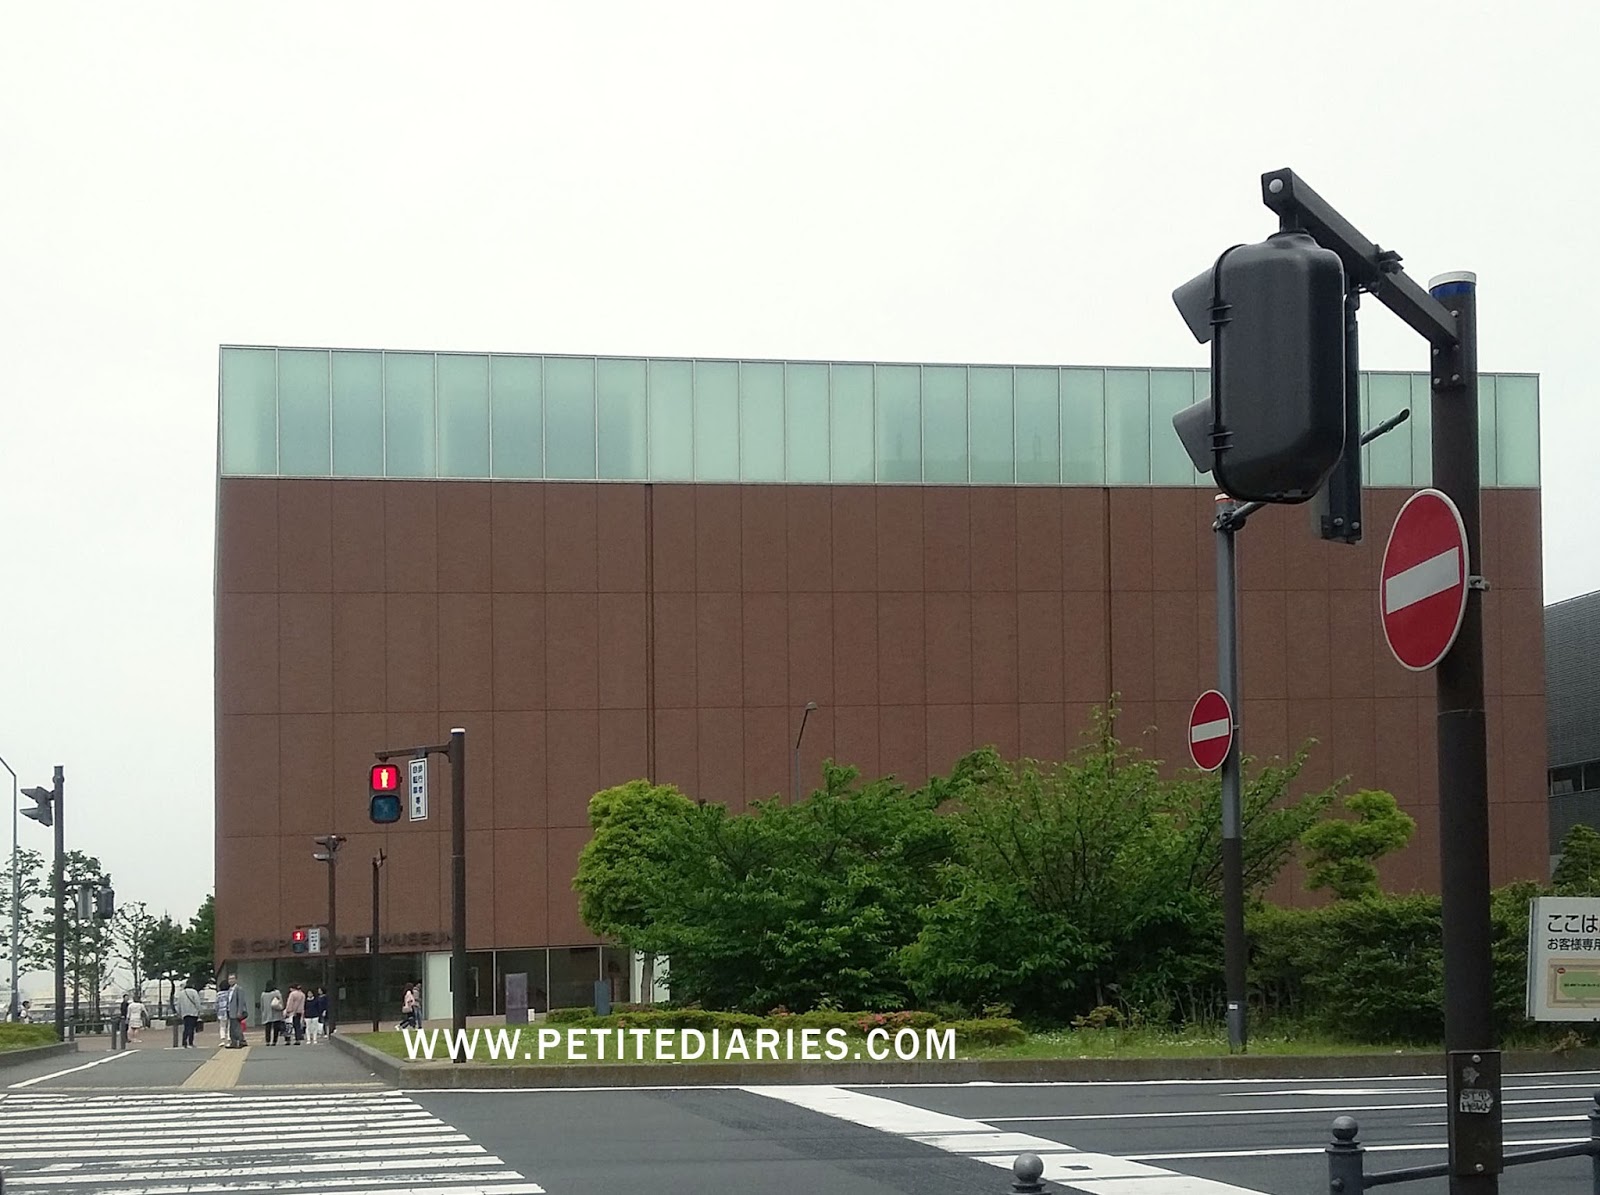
456 752
1229 520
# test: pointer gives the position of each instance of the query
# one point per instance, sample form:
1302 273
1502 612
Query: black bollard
1027 1170
1345 1167
1594 1142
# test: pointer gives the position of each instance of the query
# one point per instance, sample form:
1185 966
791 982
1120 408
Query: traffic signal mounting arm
1376 270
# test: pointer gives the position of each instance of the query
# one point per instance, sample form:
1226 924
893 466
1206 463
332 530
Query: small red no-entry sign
1422 591
1210 730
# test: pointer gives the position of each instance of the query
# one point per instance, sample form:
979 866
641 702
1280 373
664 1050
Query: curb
35 1053
445 1075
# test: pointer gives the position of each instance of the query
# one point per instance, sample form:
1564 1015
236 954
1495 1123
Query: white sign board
1564 958
314 939
419 789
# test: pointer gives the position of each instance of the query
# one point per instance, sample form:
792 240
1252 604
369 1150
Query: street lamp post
330 855
810 706
14 1011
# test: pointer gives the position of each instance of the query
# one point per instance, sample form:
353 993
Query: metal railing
1347 1158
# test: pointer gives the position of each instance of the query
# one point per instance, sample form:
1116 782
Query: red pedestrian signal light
301 943
383 784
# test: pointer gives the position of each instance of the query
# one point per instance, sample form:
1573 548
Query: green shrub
568 1016
14 1035
989 1031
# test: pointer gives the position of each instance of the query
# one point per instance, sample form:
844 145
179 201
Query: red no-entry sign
1210 730
1422 591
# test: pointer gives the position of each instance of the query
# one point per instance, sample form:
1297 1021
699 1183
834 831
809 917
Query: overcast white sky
1004 182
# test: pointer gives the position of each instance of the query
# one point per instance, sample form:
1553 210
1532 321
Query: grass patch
17 1036
1107 1043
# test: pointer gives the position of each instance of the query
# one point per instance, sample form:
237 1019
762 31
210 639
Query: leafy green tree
36 926
1092 879
131 929
200 943
88 940
633 867
1578 872
164 955
1342 854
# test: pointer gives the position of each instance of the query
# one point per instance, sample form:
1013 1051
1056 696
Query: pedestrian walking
316 1010
222 1011
294 1007
238 1008
188 1007
408 1009
135 1015
272 1014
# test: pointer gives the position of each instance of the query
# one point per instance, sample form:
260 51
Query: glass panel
944 424
993 450
249 411
899 423
358 414
532 963
621 386
408 434
516 390
1171 390
1488 432
616 966
806 418
1421 422
672 420
480 984
573 971
1038 426
760 424
569 417
1517 430
463 416
1083 426
1388 460
851 420
716 421
303 421
1202 393
1128 426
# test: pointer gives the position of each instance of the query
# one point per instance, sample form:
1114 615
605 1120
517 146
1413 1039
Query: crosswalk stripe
215 1143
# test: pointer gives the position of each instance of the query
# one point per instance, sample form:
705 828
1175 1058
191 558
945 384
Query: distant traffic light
383 785
105 904
1274 315
42 797
301 941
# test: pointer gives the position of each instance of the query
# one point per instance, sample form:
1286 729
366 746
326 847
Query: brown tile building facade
585 634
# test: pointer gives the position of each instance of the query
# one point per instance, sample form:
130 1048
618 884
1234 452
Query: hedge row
988 1031
14 1035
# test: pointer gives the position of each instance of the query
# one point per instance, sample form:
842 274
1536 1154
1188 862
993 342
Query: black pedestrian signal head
300 941
383 785
105 904
1273 313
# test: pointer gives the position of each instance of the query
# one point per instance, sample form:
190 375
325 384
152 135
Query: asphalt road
162 1122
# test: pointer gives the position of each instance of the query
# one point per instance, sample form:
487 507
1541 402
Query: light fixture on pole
810 707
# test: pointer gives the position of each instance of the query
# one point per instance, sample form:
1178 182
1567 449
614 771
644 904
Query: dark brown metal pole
458 888
377 959
1462 752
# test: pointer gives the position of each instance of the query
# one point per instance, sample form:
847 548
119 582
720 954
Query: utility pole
48 811
385 809
329 854
1233 938
377 958
14 1009
1276 429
